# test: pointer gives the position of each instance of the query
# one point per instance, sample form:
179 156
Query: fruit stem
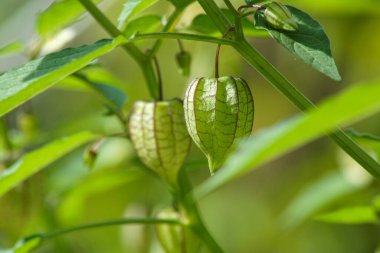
180 45
230 29
217 61
159 77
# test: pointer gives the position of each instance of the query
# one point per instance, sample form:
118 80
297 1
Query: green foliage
24 82
24 245
58 15
133 7
181 3
218 113
36 160
309 42
350 215
297 131
316 196
11 48
112 94
144 24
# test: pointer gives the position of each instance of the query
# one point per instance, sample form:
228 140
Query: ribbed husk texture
159 136
218 113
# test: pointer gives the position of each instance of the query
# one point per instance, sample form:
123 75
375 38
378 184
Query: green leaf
368 140
203 24
112 94
36 160
145 24
133 7
24 245
59 15
350 215
316 196
288 135
11 48
22 83
309 42
181 3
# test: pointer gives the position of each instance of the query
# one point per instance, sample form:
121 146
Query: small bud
89 157
183 59
279 17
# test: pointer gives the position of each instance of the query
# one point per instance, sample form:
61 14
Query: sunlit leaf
350 215
143 24
133 7
309 42
299 130
59 15
11 48
22 83
315 196
36 160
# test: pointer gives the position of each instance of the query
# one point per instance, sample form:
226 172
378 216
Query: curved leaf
59 15
22 83
309 42
145 24
295 132
36 160
11 48
131 8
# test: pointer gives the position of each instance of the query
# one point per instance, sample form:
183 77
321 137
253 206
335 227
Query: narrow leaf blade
22 83
350 215
145 24
36 160
11 48
59 15
309 42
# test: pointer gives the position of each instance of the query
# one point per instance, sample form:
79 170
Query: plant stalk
142 60
188 203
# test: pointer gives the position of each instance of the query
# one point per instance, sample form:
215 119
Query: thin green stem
143 61
159 77
255 59
170 25
183 36
125 221
4 134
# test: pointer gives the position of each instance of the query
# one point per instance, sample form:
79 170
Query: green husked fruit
279 17
159 136
176 238
218 112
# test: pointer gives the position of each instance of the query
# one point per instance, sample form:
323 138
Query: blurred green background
270 210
